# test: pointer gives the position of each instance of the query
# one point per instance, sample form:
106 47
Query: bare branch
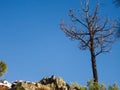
94 16
86 7
74 34
102 51
101 27
75 19
96 32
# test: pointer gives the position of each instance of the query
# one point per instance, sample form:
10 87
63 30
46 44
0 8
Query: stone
55 83
48 83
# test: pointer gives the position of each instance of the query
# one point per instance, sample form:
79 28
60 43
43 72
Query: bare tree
94 33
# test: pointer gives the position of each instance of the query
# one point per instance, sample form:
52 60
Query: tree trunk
93 59
94 67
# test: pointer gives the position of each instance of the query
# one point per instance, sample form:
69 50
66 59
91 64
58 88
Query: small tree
94 33
114 87
3 68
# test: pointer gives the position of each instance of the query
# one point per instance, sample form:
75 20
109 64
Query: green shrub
3 68
19 88
95 86
77 86
114 87
91 85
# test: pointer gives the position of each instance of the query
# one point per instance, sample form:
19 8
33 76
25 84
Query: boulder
24 85
55 83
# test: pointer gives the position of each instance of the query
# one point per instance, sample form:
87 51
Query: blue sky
33 46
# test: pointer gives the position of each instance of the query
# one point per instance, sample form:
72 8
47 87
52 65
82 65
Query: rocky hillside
52 83
48 83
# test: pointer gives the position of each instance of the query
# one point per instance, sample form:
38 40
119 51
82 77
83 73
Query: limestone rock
48 83
55 83
25 85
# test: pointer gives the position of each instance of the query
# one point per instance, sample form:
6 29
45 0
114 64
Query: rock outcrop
48 83
55 83
24 85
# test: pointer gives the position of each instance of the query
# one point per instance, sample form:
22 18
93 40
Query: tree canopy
3 68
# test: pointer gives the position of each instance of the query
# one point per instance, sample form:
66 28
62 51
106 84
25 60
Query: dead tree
94 33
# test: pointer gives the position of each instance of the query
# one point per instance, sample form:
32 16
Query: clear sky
33 46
